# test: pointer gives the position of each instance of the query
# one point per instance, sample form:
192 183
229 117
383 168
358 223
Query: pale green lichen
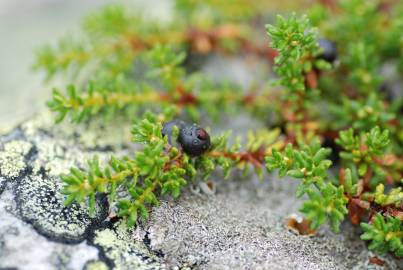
12 161
43 120
41 203
96 265
96 135
56 159
56 156
91 135
126 253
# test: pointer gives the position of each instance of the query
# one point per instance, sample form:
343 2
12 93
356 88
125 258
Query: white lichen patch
40 202
43 120
124 251
57 159
99 133
96 265
18 146
60 147
12 161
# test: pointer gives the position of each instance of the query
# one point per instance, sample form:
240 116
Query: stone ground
242 226
237 225
36 230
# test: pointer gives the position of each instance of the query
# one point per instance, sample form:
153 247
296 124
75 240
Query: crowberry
194 140
329 50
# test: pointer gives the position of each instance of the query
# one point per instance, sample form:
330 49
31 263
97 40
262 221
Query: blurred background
27 24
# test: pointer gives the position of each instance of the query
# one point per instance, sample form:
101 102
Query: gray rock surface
2 184
36 230
22 247
121 250
243 227
237 225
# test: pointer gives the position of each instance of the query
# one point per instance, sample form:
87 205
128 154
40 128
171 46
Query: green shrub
120 67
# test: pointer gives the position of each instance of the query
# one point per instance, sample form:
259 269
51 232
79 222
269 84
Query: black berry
329 50
387 91
194 140
167 128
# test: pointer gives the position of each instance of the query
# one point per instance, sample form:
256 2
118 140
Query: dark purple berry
329 50
194 140
386 91
167 128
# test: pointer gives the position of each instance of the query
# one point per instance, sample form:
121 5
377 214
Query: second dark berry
167 128
329 50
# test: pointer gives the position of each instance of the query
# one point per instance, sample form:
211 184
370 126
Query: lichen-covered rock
40 203
36 230
2 183
22 248
12 158
238 226
96 265
32 157
121 251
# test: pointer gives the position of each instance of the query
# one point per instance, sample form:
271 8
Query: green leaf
320 155
296 173
385 235
362 169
